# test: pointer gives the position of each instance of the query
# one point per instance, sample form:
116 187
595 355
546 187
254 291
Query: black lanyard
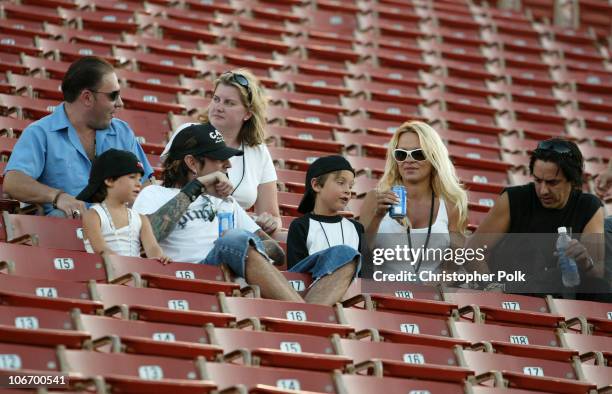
431 210
243 169
327 239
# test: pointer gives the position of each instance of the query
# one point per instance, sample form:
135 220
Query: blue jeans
57 213
232 250
327 261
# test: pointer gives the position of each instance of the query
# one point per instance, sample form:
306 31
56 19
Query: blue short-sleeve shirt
50 151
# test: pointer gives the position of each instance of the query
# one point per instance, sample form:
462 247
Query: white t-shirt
194 235
439 239
258 168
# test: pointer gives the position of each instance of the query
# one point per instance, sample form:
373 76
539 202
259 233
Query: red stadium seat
44 231
359 384
50 327
164 306
282 316
56 264
273 349
197 278
136 373
26 107
46 293
597 314
147 338
29 358
43 88
229 375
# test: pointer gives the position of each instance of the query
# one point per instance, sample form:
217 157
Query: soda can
398 210
226 221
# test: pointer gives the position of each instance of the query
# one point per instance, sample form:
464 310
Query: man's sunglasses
112 96
401 155
561 147
242 81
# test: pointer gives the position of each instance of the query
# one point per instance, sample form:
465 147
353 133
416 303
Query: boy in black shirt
322 241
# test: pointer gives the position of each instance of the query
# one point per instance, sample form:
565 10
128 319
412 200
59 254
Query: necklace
325 234
420 260
130 229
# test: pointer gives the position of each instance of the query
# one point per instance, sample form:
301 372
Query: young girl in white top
109 226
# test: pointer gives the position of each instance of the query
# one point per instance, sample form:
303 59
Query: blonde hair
252 132
444 179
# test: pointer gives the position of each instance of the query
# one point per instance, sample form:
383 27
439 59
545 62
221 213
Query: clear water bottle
569 270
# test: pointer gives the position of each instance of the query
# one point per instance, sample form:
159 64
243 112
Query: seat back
51 232
56 264
17 357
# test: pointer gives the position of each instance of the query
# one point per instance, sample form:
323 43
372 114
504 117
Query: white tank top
439 239
124 241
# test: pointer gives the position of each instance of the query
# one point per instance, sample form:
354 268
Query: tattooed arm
165 219
272 248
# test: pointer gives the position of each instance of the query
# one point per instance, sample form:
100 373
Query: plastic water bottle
225 215
569 269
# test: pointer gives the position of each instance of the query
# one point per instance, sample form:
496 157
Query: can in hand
398 210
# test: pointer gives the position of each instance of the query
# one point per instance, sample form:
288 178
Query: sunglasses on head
555 146
242 81
402 154
112 96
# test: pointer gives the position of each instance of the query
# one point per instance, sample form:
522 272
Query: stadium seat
600 346
26 107
506 308
197 278
70 51
146 338
275 349
597 314
50 327
136 373
283 316
359 384
30 358
44 88
34 13
46 293
600 376
44 231
515 335
163 306
482 362
55 264
396 323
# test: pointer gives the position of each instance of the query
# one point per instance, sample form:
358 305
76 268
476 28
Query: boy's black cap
201 140
321 166
110 164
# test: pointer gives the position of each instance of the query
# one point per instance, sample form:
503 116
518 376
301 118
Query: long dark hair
571 163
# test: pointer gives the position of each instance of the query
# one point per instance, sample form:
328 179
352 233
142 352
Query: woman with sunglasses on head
436 203
238 110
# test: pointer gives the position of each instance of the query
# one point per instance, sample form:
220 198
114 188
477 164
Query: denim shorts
232 249
327 261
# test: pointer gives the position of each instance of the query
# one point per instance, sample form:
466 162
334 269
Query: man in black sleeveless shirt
520 230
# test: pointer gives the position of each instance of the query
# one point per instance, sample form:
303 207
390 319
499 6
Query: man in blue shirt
51 161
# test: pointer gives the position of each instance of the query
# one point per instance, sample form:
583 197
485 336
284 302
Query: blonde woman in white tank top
109 226
436 203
